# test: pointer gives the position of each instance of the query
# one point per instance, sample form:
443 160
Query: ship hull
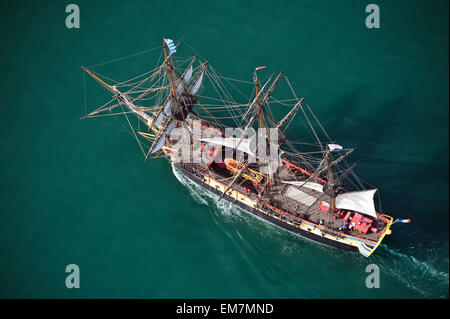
256 212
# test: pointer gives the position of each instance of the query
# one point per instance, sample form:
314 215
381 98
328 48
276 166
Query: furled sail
231 142
311 185
180 87
123 98
361 201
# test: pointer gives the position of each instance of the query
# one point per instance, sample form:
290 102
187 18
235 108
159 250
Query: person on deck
344 226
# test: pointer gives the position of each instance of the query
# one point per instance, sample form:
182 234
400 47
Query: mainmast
291 113
255 79
259 104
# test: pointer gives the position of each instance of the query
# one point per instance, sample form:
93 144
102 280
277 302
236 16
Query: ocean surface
79 192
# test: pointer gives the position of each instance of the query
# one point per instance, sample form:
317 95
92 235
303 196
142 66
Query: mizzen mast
330 182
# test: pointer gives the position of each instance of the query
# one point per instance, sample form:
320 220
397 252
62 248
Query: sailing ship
307 188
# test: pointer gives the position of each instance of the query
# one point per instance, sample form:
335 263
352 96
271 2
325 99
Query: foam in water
205 197
234 213
419 276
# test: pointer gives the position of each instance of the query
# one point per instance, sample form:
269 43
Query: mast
330 182
259 105
186 76
260 117
255 79
169 66
270 90
256 99
183 106
292 112
320 170
238 174
123 99
196 84
181 86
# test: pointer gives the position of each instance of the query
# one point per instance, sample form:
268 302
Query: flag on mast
171 46
333 147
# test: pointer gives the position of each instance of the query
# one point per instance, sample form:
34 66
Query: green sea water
79 192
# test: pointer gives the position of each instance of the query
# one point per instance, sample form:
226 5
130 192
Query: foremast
177 105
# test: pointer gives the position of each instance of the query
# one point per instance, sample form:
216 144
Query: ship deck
278 196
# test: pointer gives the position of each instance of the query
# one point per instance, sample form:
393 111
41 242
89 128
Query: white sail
180 87
159 119
168 107
231 142
311 185
197 84
187 76
299 196
161 141
361 201
167 110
